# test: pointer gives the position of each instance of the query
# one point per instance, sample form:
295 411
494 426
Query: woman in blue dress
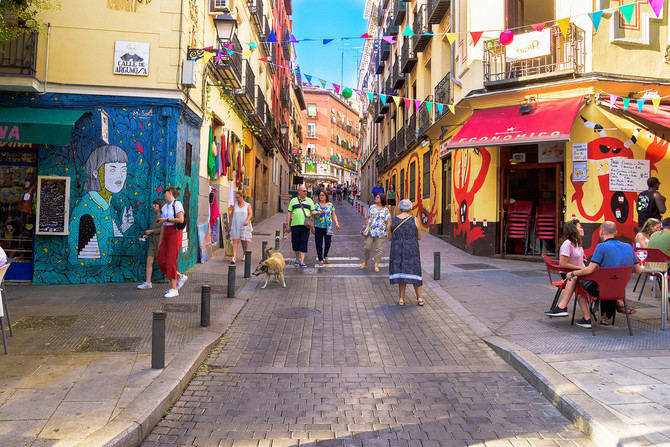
324 217
405 258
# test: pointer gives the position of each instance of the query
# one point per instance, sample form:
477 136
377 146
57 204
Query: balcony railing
399 141
566 57
421 27
244 95
392 30
266 34
258 116
392 149
284 95
398 79
399 12
443 90
385 50
230 65
379 67
410 132
436 10
425 117
256 10
18 56
379 115
408 56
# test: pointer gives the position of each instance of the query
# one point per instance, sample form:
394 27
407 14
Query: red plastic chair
555 266
518 219
612 284
653 255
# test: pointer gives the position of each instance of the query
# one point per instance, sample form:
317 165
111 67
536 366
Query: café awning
37 126
519 124
660 117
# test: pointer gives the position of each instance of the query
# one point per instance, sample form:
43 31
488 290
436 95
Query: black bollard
436 265
231 282
205 307
158 340
277 240
247 264
264 255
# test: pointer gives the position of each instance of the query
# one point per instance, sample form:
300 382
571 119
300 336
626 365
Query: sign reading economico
529 45
131 58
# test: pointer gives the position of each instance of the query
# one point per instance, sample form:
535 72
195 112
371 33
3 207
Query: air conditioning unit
189 73
219 6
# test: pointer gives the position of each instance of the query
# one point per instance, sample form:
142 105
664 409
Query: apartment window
412 181
402 184
311 130
426 175
311 110
310 149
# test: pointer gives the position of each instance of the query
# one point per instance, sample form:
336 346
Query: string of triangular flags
640 102
506 35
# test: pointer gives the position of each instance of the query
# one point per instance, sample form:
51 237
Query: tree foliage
22 16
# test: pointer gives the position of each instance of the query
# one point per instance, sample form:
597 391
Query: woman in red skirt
172 216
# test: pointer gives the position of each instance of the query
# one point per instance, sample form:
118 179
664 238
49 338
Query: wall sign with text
131 58
53 205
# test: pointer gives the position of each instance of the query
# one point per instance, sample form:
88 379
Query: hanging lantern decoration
506 37
347 92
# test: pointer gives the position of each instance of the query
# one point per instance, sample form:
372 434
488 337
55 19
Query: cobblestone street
333 360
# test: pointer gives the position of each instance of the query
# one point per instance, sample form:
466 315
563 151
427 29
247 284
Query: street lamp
283 129
225 27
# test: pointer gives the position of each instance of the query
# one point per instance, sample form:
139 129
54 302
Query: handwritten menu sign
53 205
628 175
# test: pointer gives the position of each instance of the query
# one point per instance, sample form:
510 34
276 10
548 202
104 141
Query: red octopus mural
616 206
464 196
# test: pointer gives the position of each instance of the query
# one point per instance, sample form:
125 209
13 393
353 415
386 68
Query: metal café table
660 269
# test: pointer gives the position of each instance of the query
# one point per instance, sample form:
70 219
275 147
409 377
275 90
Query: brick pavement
332 360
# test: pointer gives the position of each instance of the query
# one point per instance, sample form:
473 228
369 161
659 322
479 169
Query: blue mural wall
113 185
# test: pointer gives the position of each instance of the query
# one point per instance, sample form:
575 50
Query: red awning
547 121
662 117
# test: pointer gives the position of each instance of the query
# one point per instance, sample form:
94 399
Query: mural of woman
94 222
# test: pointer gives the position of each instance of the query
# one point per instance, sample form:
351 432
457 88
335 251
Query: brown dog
274 265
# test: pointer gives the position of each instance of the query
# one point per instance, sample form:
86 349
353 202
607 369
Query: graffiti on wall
464 191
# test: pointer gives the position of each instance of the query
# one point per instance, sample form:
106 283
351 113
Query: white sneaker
181 281
171 293
145 285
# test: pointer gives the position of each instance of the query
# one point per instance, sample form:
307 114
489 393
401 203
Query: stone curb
135 422
602 426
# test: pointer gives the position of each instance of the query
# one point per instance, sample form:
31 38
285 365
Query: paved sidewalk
333 360
80 357
614 386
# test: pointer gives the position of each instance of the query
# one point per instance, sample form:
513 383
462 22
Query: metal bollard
247 264
277 239
436 265
158 340
231 282
205 305
264 255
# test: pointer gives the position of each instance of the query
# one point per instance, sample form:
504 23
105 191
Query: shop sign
510 136
529 45
444 149
323 169
53 205
519 157
551 152
580 152
10 133
628 175
131 58
580 172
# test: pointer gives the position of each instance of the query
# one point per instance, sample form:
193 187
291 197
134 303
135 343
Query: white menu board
628 175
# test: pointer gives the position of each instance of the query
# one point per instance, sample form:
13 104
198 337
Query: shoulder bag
309 220
401 223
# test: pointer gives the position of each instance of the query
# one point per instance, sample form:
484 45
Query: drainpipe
46 70
181 25
453 56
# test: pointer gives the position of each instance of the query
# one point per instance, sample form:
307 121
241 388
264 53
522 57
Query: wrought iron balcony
267 47
379 115
258 115
284 95
410 131
392 150
425 117
388 87
18 56
566 57
436 10
400 141
408 56
379 67
230 65
392 30
398 79
256 10
421 27
399 12
385 50
244 95
443 90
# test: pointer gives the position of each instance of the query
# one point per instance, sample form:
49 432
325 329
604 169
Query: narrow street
333 360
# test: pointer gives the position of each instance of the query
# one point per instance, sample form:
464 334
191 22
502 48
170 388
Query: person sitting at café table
661 239
609 253
650 227
571 257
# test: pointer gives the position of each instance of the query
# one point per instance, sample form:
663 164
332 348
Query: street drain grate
475 266
45 322
108 344
179 307
528 273
296 312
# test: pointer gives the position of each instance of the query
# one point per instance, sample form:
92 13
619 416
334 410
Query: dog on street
274 266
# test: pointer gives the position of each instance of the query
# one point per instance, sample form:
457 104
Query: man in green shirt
298 208
661 239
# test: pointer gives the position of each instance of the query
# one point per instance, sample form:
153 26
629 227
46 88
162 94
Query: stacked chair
518 219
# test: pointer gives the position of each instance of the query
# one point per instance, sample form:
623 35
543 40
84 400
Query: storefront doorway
446 196
531 191
18 187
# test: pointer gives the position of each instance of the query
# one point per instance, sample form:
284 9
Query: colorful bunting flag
309 78
440 108
626 103
366 36
538 26
408 103
656 102
640 104
207 56
327 41
417 103
322 82
451 37
657 6
389 39
476 35
292 39
613 99
230 52
627 11
228 46
253 45
337 87
595 19
563 25
408 31
272 38
371 96
247 53
383 98
358 92
219 56
452 109
429 106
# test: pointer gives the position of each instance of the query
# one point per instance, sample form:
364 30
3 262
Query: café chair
612 282
653 255
554 266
